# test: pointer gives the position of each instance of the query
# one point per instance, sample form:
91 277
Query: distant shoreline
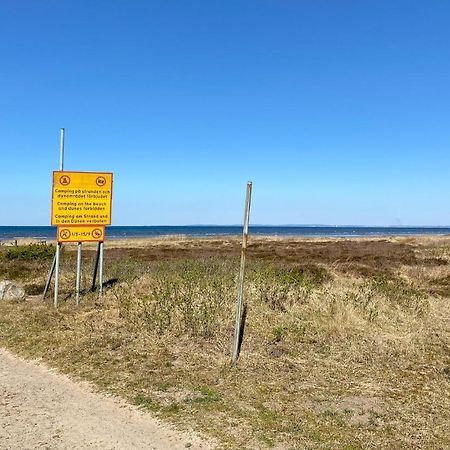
224 240
8 233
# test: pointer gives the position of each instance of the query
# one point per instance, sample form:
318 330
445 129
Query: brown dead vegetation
345 346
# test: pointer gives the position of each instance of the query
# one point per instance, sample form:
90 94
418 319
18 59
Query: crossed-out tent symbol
64 233
64 180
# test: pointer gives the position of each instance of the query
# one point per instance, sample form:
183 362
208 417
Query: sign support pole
240 297
49 277
61 167
58 247
94 274
77 284
57 256
100 272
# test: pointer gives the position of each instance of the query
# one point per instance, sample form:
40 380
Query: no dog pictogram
101 181
97 233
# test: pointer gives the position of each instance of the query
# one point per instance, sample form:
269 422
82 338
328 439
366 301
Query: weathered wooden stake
240 297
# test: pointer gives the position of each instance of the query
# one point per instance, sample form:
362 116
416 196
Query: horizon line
259 225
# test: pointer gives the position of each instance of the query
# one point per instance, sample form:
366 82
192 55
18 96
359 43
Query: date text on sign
82 233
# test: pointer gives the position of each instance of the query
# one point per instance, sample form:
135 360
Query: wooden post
240 297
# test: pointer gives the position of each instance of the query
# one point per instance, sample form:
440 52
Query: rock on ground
11 291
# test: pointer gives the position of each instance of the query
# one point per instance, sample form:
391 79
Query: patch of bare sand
40 408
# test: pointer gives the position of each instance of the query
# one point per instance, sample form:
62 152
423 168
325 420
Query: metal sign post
49 277
81 207
100 271
240 297
94 273
57 257
77 283
55 262
58 247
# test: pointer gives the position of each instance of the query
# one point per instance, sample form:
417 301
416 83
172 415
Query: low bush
30 252
281 287
183 297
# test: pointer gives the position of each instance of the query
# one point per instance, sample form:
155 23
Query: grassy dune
346 344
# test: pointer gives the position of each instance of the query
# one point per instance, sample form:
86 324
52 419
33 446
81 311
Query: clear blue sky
339 111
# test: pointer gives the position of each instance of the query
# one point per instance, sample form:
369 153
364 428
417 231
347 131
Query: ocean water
116 232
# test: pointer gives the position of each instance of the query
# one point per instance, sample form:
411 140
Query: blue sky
339 111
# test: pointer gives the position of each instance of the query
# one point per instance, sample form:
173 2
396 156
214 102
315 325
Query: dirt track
43 409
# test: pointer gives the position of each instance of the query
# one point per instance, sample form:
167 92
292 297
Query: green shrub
181 297
30 252
281 287
34 288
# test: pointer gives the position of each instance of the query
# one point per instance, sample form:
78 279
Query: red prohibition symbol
97 233
64 180
101 181
64 234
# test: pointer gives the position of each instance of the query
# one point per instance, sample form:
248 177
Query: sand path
40 408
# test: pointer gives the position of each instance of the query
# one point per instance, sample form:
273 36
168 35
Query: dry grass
346 343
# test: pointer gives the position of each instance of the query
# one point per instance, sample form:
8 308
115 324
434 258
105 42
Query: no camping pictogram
65 180
64 234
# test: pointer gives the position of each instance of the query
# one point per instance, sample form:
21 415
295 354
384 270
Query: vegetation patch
30 252
330 359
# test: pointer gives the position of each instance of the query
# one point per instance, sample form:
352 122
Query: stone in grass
10 291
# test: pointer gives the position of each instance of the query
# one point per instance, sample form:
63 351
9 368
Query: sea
120 232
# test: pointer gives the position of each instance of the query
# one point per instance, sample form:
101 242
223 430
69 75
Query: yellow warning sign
82 233
81 198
